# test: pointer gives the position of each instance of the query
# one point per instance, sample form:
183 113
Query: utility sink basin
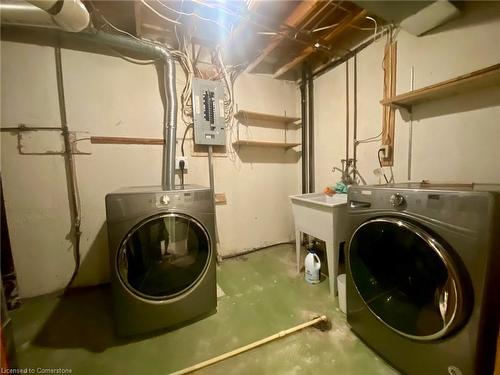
321 199
325 218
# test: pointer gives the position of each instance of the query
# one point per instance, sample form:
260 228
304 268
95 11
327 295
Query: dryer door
407 279
164 256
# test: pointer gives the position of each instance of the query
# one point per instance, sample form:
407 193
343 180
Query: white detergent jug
312 266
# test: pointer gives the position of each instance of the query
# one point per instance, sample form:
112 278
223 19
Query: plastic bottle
312 266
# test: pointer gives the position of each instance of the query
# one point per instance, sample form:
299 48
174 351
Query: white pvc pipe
72 16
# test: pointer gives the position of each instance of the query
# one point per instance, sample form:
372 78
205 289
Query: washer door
407 278
163 256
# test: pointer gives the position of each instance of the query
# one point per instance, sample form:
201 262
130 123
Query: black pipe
346 113
310 128
303 108
355 115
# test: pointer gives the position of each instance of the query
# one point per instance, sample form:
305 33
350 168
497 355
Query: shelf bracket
407 107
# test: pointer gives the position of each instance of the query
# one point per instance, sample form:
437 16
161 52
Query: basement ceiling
270 37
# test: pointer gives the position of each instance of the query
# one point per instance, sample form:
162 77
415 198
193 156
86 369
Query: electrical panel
208 112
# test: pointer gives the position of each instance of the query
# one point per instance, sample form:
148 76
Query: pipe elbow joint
164 53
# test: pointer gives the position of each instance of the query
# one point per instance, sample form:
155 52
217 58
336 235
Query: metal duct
170 122
148 50
170 117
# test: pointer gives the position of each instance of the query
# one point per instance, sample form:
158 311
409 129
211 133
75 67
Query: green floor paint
263 296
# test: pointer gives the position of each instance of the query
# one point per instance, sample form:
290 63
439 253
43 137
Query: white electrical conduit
68 15
248 347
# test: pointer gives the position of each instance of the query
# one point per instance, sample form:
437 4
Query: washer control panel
397 200
168 200
164 199
174 200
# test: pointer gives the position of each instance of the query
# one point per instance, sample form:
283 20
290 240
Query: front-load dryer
422 266
162 256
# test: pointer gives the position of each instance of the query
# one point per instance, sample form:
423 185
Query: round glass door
406 278
164 256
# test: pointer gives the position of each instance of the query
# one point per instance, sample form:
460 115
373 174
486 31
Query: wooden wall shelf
256 116
265 144
472 81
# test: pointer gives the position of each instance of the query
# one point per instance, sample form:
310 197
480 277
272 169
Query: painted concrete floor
263 296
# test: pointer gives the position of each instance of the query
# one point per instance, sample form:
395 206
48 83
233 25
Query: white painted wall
454 139
111 97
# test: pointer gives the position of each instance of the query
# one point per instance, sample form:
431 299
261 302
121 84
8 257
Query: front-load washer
162 256
422 265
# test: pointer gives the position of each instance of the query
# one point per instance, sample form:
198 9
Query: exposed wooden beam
328 39
344 24
304 54
301 12
252 7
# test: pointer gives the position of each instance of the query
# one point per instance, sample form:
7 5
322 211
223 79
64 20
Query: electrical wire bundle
187 61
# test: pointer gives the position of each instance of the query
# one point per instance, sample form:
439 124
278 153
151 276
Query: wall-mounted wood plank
257 116
478 79
389 114
265 144
126 141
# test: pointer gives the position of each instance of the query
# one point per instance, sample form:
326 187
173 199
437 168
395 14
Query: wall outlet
178 160
386 149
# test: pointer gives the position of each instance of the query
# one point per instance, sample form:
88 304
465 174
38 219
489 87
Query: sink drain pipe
321 323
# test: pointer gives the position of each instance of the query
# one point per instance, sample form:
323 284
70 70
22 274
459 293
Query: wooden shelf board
266 144
476 80
256 116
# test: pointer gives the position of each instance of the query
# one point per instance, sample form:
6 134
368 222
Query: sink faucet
349 171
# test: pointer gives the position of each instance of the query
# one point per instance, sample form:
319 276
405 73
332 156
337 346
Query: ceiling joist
328 39
299 14
269 37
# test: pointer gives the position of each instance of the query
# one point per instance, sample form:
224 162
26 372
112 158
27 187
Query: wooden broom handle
252 345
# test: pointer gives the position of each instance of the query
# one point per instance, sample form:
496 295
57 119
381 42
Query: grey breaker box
208 112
